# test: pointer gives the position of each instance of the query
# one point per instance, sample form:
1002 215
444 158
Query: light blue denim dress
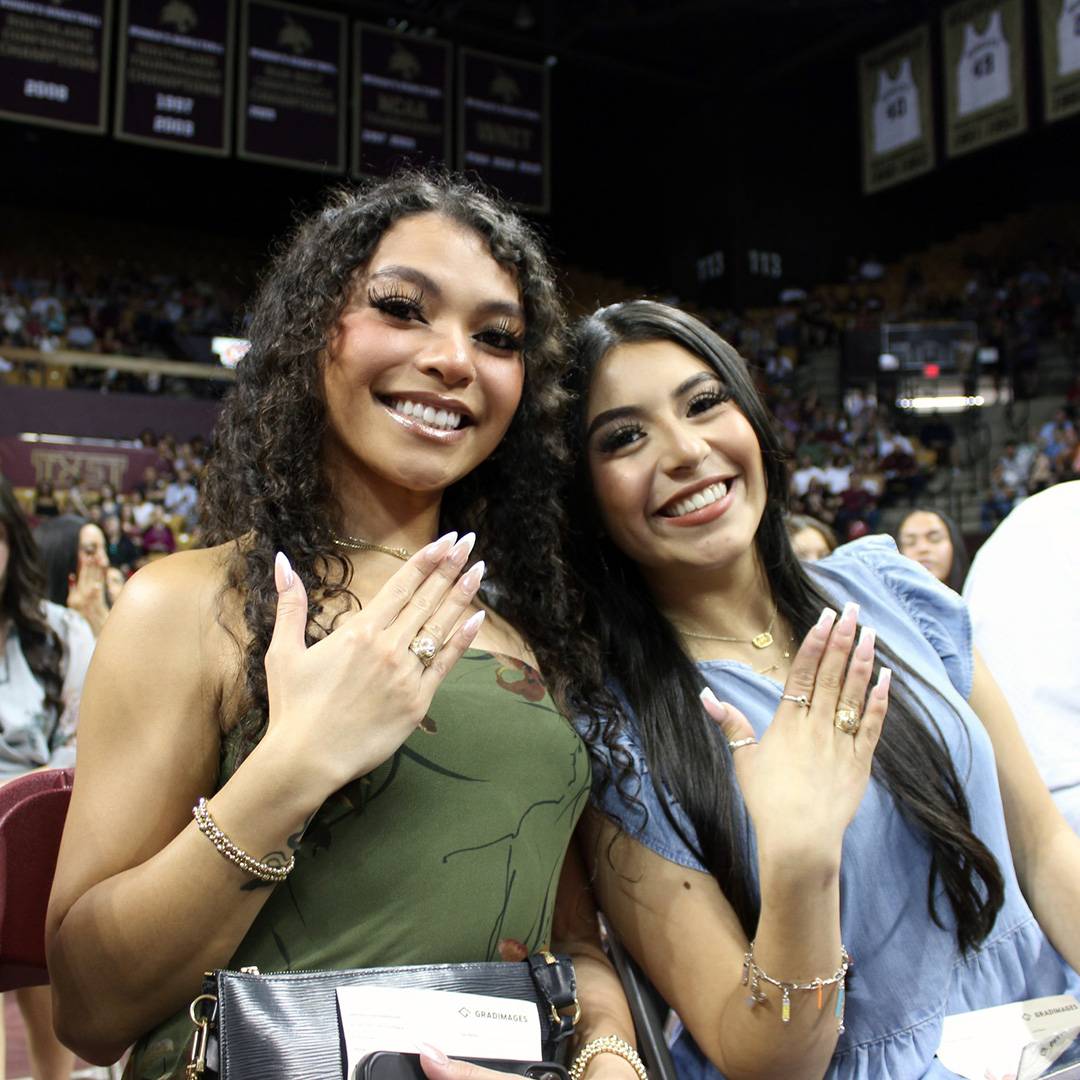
908 971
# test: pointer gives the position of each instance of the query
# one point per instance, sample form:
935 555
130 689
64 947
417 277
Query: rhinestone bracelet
608 1044
752 975
264 871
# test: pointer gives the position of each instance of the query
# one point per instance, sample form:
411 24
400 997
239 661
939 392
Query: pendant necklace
358 543
759 641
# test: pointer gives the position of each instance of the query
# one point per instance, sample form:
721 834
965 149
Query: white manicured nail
283 572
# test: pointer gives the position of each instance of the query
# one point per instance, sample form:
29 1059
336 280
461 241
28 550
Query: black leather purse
250 1026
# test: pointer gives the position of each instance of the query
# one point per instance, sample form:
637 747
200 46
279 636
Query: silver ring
738 744
424 647
800 699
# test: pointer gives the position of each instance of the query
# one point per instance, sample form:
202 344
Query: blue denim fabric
908 973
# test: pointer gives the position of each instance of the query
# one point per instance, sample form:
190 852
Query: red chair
32 812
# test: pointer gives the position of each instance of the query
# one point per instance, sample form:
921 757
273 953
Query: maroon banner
292 86
54 62
175 82
504 126
90 464
401 101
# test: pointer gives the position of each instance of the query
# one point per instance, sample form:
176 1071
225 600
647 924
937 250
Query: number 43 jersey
896 109
982 74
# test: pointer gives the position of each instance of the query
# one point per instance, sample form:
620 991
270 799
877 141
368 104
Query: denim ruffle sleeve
939 613
630 798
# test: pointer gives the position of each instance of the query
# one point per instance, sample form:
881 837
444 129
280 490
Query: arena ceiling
704 44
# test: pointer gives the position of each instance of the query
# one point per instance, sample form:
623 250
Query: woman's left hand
437 1066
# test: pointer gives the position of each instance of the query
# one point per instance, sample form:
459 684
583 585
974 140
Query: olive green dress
448 849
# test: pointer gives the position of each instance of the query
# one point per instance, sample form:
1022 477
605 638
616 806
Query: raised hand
805 779
86 594
344 705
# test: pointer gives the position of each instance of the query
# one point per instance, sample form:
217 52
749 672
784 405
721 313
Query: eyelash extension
510 341
619 437
711 397
394 300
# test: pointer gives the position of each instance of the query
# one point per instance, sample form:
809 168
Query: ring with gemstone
799 699
847 720
424 647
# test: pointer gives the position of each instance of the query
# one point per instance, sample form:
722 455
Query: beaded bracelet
608 1044
264 871
753 975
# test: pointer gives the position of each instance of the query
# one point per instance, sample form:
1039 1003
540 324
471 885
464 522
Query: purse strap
556 985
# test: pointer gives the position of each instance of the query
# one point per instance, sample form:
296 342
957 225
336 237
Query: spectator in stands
142 511
810 538
157 538
1012 469
45 649
998 504
181 497
119 547
110 506
73 551
806 474
45 504
934 540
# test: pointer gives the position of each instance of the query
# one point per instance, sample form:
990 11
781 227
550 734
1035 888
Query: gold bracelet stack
264 871
609 1044
752 975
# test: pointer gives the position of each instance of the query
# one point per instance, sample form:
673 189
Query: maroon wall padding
90 414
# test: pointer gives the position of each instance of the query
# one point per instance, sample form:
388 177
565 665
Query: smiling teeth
698 500
426 414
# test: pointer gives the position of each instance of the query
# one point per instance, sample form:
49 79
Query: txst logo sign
491 1014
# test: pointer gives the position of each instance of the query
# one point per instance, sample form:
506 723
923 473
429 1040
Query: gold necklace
358 543
759 641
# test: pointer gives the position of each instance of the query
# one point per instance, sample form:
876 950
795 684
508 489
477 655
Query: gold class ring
847 720
424 647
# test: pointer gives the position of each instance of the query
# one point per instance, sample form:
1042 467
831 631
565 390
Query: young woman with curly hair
326 673
44 652
761 820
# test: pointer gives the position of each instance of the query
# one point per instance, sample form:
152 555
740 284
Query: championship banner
896 99
1059 22
401 101
292 86
985 92
54 62
504 127
175 82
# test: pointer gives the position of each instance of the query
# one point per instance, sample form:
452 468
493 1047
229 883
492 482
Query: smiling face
676 467
425 371
925 538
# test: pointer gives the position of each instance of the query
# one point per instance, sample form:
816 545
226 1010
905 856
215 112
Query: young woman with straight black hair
762 825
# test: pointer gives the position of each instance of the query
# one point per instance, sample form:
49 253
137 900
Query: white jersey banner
1059 25
986 100
897 112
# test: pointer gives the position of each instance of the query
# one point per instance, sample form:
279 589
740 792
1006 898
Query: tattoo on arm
271 858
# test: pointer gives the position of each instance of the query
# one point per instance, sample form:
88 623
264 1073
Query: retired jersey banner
504 131
292 86
401 101
985 91
1059 23
175 81
54 62
897 110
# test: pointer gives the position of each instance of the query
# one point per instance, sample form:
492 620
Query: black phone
389 1065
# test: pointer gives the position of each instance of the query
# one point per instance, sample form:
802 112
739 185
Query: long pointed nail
461 550
438 548
283 572
470 581
432 1053
473 623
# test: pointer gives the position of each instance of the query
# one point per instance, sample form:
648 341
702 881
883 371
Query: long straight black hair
22 601
634 644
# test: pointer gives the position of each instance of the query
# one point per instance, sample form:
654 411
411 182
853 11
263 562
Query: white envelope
990 1042
461 1025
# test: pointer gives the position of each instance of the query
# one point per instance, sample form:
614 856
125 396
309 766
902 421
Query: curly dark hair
265 486
22 601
